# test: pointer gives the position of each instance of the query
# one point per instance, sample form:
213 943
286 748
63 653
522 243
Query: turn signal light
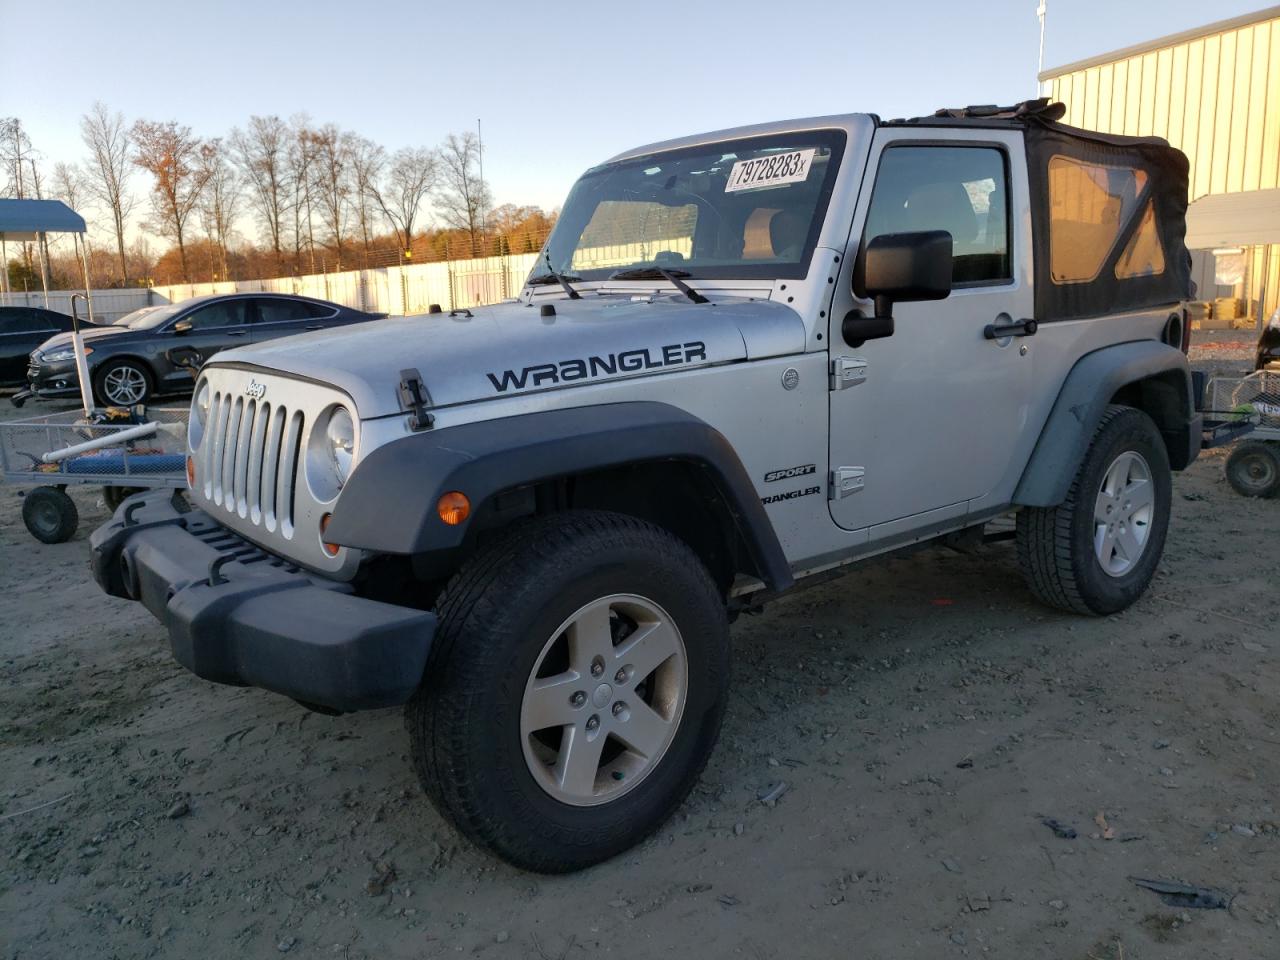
191 472
454 507
330 548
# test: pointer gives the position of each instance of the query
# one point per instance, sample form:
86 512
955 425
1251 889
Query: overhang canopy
1234 220
23 219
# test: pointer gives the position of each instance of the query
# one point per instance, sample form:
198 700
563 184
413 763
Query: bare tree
332 174
177 160
18 159
300 158
262 151
463 198
408 181
220 201
367 162
107 138
69 186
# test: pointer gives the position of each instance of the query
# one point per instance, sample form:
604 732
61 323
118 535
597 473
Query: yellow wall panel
1160 119
1191 105
1224 102
1207 115
1147 100
1256 118
1177 96
1105 75
1239 129
1090 119
1271 111
1133 97
1119 86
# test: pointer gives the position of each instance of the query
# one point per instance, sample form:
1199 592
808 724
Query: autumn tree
332 174
400 193
262 152
463 198
107 139
220 202
177 161
367 162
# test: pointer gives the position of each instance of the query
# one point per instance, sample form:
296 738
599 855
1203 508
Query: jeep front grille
250 460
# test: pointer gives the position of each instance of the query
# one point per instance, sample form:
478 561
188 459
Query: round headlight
199 416
340 441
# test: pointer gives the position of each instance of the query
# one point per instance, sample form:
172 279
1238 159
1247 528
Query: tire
1253 469
471 722
50 515
123 383
1061 549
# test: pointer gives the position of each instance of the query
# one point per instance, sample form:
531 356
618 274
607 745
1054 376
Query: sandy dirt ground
924 714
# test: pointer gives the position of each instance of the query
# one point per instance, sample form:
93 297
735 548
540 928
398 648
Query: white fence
394 290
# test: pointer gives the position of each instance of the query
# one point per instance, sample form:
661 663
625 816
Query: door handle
315 326
1012 328
237 333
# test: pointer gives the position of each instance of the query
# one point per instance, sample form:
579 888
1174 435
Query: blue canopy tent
24 221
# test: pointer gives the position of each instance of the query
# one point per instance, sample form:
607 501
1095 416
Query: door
21 331
283 317
215 326
925 420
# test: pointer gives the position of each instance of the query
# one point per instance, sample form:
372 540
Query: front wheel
1096 552
123 383
575 689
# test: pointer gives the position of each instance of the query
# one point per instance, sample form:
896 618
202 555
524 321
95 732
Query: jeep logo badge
256 390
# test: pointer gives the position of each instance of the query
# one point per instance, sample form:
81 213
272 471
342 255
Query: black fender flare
1087 390
389 503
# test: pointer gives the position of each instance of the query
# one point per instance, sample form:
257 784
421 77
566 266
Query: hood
511 349
89 334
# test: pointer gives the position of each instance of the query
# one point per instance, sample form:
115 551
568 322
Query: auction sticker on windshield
771 171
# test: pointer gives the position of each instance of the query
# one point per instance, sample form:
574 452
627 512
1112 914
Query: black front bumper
238 615
58 379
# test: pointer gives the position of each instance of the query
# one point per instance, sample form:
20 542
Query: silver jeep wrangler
746 359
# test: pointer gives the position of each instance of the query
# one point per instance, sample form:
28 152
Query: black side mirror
182 326
897 267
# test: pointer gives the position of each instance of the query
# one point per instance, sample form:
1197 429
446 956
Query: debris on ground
384 874
772 793
1185 894
1108 833
1060 829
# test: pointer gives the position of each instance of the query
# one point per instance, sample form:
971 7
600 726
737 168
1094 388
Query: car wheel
123 383
1096 552
50 515
1253 469
575 689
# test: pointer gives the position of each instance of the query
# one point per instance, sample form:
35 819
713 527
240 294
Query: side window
226 313
276 310
1089 206
963 190
320 311
29 321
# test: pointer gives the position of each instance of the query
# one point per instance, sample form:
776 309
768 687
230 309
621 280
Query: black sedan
155 350
22 329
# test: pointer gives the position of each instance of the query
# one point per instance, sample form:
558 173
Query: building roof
23 219
1173 39
1234 220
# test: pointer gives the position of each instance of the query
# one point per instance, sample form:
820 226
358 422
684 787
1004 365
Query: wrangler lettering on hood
590 367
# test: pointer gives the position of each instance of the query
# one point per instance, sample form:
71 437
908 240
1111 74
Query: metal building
1214 93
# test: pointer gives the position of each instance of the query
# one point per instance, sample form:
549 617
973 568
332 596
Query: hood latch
415 398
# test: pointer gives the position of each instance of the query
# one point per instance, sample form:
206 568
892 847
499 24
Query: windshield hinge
415 399
847 372
846 481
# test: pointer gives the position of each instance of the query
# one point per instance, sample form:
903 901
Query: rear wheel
123 383
50 515
1096 552
575 689
1253 469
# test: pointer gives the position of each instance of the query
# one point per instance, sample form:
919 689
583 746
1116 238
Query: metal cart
1247 408
56 450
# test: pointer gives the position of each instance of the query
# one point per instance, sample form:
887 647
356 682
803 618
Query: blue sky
559 85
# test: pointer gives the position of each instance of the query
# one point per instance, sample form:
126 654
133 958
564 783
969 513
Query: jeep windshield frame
676 210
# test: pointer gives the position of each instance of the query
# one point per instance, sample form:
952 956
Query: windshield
742 208
148 318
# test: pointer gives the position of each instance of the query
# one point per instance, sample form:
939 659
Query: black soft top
1143 183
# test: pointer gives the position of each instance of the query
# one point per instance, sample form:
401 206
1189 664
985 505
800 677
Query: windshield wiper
673 277
551 276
